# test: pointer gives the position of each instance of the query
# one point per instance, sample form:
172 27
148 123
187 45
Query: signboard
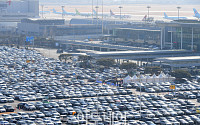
29 38
172 87
57 44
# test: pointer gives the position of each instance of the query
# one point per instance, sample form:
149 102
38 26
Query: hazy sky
78 2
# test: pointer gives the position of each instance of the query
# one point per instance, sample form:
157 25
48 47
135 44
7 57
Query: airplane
145 18
68 13
55 12
173 18
83 14
44 12
99 14
118 16
196 14
64 12
9 2
148 19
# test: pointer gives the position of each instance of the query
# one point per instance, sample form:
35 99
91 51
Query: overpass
98 46
147 56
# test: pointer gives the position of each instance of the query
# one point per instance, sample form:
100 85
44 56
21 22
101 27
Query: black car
9 108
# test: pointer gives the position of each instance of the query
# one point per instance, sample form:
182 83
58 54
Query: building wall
186 38
29 29
138 36
19 9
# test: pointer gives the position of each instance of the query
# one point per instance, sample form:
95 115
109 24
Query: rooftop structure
178 62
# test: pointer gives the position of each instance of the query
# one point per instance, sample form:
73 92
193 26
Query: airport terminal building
182 34
167 35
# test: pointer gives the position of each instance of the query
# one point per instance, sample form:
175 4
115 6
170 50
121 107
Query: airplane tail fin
195 11
77 12
165 15
111 13
9 2
145 18
94 12
54 11
64 11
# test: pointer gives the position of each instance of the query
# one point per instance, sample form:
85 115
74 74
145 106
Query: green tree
153 70
180 74
83 58
64 57
107 62
128 66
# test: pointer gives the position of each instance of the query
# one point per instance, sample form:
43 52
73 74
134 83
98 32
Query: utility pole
42 11
97 7
148 7
120 9
63 11
92 10
178 11
102 18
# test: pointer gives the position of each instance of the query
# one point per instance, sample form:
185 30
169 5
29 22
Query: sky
116 2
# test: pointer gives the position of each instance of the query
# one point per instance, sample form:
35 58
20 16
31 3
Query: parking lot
38 90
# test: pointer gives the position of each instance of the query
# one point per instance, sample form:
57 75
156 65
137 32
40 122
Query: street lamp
63 11
140 96
97 7
102 19
120 9
178 11
148 7
92 10
42 10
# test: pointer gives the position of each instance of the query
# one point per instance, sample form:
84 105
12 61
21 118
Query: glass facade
174 35
149 36
187 37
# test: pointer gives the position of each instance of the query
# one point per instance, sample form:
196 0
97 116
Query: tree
85 65
153 70
65 57
107 62
83 58
128 66
180 74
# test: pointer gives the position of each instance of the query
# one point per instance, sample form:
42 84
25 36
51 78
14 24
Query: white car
2 109
24 98
72 120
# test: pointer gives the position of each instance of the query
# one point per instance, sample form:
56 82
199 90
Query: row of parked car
28 76
54 93
154 110
162 87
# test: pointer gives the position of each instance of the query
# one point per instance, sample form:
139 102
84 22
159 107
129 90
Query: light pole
92 10
97 7
42 10
102 18
120 9
63 11
140 97
148 7
178 11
